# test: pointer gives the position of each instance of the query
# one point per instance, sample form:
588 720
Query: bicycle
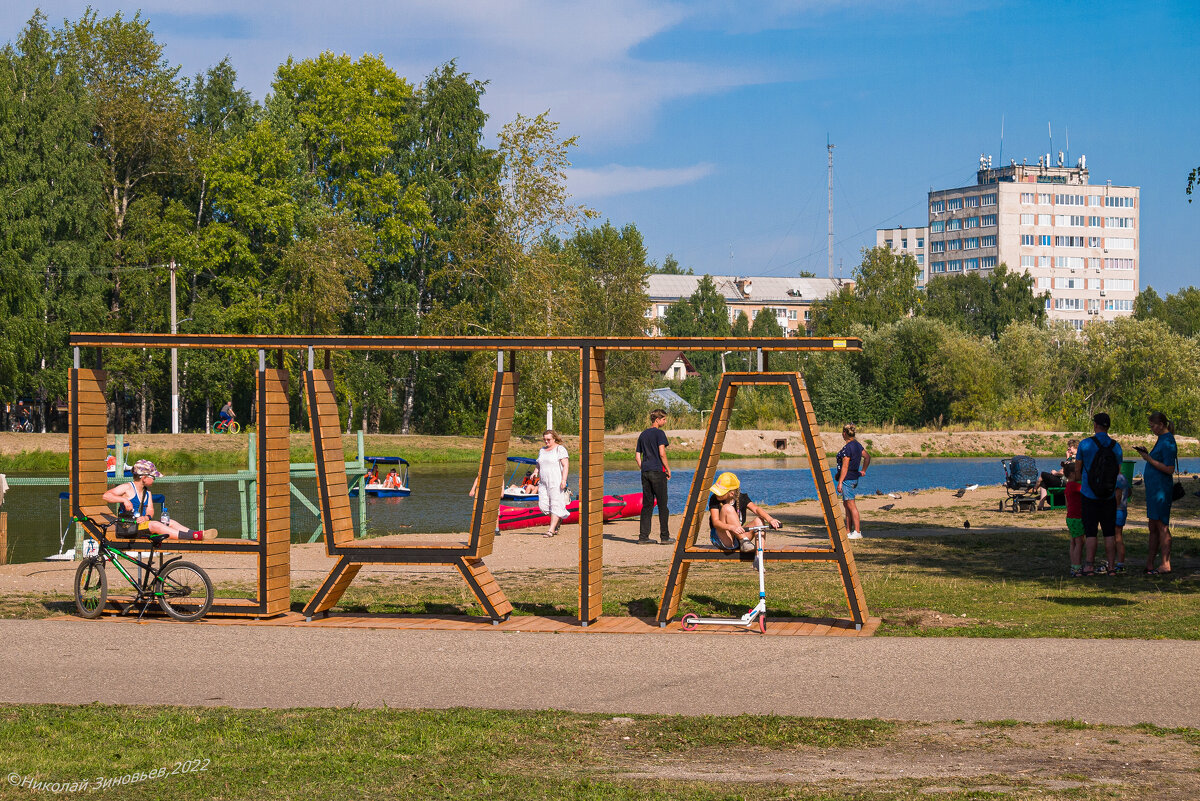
182 589
17 426
227 427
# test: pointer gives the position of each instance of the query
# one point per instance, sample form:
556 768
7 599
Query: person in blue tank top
134 500
1159 476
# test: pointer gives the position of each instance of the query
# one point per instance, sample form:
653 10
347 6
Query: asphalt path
1100 681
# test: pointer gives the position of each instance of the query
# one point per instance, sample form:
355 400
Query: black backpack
1103 471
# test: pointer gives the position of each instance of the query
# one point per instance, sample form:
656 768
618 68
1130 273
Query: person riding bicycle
728 511
134 498
227 415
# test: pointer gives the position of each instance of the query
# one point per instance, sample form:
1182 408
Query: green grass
354 753
466 753
960 585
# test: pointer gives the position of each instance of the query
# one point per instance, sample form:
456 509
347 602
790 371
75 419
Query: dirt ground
934 512
984 758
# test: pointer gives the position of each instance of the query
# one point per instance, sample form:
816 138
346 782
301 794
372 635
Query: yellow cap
725 483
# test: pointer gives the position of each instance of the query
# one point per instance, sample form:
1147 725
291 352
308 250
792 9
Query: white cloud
616 179
576 58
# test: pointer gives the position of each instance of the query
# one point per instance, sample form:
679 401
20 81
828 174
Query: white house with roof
789 299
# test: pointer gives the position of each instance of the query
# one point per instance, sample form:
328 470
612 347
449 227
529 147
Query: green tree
984 305
670 266
766 324
1180 311
51 215
139 125
884 291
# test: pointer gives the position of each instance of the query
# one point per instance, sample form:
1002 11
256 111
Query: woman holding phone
1159 477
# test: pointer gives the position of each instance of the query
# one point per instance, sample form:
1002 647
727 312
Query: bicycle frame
144 584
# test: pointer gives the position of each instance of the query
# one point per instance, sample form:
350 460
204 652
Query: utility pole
829 147
174 360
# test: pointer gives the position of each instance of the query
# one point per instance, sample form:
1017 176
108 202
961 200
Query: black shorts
1049 480
1102 513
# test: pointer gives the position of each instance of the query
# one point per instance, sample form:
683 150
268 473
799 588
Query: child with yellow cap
728 510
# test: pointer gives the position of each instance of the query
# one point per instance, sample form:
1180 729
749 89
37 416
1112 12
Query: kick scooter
757 616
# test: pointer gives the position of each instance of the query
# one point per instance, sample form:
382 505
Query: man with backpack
1101 458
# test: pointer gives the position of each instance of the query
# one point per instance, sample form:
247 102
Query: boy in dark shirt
651 455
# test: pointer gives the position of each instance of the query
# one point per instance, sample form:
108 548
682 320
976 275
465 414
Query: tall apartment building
910 241
1079 241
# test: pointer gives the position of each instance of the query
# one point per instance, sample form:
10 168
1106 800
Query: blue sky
704 123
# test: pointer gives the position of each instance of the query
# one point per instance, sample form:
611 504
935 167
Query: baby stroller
1020 482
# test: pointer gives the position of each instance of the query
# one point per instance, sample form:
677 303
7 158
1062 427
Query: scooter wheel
689 621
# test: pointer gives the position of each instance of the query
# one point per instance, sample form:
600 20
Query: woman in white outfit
552 479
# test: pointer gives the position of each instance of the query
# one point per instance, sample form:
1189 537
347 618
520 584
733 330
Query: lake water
439 500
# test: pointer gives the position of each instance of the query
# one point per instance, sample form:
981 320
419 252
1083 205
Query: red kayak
615 506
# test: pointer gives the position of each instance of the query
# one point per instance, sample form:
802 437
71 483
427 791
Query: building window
953 225
972 264
972 222
1069 200
1118 243
955 266
937 226
1044 199
1045 281
887 243
1027 239
1118 222
904 243
937 267
1027 198
1118 202
1118 264
1093 283
1043 219
1044 240
1093 222
920 258
1027 219
954 204
1044 262
989 200
1119 305
937 247
1029 261
920 242
791 314
1093 242
1093 264
1094 200
972 201
955 244
937 207
1069 262
1118 284
1069 242
971 243
988 241
987 262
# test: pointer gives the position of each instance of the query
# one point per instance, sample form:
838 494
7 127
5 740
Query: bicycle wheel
186 593
91 587
235 427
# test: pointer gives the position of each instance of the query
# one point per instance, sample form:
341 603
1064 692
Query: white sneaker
854 535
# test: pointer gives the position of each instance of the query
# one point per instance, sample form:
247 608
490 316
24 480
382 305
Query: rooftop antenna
1051 135
829 147
1000 160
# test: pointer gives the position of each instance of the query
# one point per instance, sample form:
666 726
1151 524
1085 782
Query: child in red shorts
1071 475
